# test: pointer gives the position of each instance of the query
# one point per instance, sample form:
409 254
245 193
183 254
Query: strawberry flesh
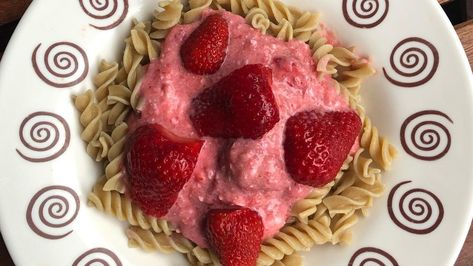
158 164
241 105
206 48
317 144
235 235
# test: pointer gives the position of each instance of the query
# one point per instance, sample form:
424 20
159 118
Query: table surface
12 10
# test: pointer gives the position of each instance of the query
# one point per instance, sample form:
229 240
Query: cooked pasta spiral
166 18
196 9
107 73
341 226
296 237
363 169
151 241
353 76
114 169
118 205
321 49
258 19
91 121
382 152
305 25
142 42
283 30
290 260
201 256
131 63
234 6
306 207
276 10
354 195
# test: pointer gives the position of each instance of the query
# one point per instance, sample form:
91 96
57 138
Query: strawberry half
317 144
205 49
235 235
241 105
158 164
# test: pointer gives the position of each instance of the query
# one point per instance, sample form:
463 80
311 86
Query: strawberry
205 49
235 235
317 144
241 105
158 164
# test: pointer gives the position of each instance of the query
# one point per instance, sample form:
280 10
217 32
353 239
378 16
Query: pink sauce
249 173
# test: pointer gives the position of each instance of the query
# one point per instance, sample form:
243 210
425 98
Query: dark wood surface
12 10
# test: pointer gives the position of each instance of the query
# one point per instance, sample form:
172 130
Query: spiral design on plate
51 211
45 136
107 14
96 257
417 210
425 135
63 64
372 256
365 13
414 61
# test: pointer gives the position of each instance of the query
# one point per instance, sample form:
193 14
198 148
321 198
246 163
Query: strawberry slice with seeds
317 144
206 48
158 164
241 105
235 235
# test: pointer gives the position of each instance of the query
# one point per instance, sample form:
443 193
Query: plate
421 99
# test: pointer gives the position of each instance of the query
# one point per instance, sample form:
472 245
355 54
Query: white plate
436 103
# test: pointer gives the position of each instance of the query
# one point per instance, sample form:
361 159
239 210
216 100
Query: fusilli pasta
297 237
166 18
118 205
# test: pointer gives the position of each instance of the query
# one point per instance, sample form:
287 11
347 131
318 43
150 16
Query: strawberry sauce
245 172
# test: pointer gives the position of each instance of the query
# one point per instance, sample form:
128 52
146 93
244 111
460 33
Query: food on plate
234 135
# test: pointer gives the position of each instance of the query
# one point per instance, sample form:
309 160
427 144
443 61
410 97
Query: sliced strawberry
205 49
158 164
235 235
317 144
241 105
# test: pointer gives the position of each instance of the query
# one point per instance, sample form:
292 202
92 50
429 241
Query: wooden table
12 10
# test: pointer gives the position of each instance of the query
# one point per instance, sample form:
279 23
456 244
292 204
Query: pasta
304 208
168 17
290 260
378 147
354 195
91 121
234 6
106 76
297 237
276 10
326 215
118 205
258 18
196 7
150 241
341 225
305 25
113 170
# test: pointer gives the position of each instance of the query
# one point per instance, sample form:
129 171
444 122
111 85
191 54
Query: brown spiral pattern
108 13
372 256
415 211
98 256
45 136
425 135
365 13
64 64
414 61
51 210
